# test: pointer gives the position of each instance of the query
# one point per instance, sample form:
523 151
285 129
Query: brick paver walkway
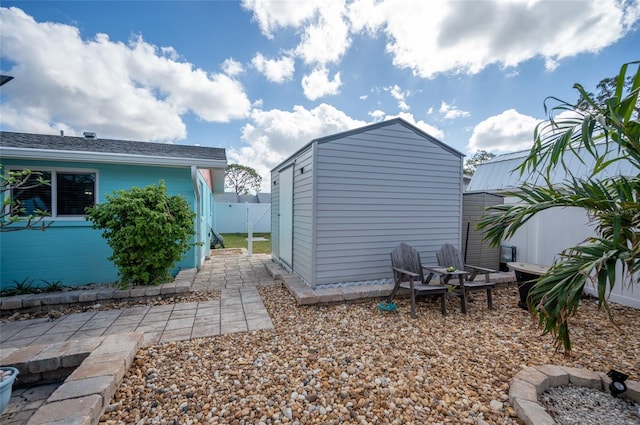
239 309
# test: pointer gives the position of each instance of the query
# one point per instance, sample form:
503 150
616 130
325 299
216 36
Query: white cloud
274 135
232 67
377 115
170 52
275 70
433 37
400 96
366 15
451 112
274 14
509 131
323 27
364 97
133 90
327 38
631 15
317 84
35 120
438 36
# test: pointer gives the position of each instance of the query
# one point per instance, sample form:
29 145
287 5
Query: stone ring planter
532 381
7 376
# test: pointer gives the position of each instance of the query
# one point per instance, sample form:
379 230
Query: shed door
286 215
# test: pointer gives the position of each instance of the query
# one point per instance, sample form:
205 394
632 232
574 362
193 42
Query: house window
75 192
68 194
32 195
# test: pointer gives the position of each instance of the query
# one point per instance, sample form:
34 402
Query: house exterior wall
207 177
475 250
376 189
71 250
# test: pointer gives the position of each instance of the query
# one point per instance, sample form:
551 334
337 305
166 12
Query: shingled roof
41 146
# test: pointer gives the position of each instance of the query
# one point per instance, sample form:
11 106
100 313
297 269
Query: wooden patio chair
408 274
449 256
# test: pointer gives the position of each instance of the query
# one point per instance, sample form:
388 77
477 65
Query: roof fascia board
114 158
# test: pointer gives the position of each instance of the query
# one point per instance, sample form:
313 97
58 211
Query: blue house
82 170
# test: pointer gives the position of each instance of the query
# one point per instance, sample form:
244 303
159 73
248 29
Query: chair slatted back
406 257
448 256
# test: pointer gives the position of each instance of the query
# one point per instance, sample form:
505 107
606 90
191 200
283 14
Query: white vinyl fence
544 236
231 217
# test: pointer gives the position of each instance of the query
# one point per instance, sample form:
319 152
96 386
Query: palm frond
608 131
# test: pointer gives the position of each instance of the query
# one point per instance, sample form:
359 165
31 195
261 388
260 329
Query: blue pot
5 387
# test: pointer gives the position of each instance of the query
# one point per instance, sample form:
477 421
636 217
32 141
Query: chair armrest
431 268
475 270
405 272
481 269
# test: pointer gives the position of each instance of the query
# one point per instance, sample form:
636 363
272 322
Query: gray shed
476 251
343 202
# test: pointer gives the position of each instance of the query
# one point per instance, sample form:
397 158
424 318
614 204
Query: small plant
22 287
148 231
52 286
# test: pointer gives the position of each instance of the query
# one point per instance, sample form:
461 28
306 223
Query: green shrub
148 231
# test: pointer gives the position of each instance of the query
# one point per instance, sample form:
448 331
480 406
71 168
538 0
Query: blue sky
262 78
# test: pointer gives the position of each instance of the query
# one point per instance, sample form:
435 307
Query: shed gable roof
370 127
386 124
41 146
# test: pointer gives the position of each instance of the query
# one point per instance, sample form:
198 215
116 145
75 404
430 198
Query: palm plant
604 132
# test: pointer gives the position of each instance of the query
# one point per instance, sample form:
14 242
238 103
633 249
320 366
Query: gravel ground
354 365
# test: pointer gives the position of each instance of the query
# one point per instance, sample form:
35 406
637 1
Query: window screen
75 191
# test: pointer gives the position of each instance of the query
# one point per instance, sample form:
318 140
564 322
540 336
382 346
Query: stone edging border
83 397
37 302
305 295
532 381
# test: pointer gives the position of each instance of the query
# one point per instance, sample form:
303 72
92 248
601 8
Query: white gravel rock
588 406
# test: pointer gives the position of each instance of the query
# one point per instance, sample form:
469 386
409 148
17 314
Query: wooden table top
444 271
536 269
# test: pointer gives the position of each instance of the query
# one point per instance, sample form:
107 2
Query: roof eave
111 158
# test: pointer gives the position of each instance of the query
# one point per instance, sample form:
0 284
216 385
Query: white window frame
54 188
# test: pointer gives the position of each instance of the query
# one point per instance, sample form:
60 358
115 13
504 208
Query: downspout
196 190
